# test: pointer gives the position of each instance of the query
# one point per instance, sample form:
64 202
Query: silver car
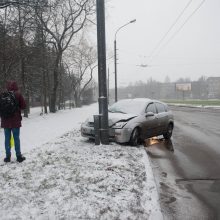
134 120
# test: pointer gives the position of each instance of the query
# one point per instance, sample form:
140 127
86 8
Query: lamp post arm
120 29
132 21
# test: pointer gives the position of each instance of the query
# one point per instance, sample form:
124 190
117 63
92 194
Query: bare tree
63 21
167 79
33 40
84 58
24 30
9 53
7 3
16 28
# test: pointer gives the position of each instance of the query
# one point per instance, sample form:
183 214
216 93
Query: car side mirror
148 114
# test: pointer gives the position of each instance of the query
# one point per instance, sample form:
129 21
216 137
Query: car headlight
119 125
86 123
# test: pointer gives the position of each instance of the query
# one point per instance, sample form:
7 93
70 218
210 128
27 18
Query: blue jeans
16 135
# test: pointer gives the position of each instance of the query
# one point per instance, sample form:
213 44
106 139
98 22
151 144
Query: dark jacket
15 120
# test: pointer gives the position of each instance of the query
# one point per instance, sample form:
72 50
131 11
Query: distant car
133 120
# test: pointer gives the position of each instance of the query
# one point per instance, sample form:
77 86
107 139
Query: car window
128 106
166 108
160 107
151 108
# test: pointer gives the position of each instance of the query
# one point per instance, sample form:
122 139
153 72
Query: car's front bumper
88 131
118 135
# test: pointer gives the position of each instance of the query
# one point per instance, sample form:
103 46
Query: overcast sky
188 50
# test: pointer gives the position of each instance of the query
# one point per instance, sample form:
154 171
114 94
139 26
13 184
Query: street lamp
115 53
109 80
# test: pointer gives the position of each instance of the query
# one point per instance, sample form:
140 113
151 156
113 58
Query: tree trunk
56 82
60 102
53 100
48 87
44 92
77 99
22 65
44 65
3 52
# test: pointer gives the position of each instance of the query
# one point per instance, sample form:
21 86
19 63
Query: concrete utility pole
116 87
103 102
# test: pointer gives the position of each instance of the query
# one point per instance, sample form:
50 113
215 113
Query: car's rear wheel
169 132
135 137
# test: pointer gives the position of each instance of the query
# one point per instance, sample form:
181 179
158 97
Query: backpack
8 104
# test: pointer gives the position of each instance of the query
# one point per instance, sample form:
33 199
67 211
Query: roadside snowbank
71 178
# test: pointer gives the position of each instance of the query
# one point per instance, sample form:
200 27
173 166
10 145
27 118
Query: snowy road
67 177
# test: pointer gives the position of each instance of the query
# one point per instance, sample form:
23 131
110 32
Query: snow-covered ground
67 177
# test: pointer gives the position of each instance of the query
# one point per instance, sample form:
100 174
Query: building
213 87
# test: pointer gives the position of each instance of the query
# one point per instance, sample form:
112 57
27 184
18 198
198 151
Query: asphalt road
188 178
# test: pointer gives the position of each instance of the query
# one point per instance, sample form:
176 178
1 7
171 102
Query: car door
162 118
150 124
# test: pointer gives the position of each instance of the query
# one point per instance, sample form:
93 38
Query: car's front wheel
169 132
135 137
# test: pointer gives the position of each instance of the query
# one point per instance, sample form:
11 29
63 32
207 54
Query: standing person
12 124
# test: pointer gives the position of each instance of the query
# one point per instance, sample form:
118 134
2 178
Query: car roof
138 99
144 100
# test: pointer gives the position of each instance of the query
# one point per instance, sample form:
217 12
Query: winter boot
20 158
7 159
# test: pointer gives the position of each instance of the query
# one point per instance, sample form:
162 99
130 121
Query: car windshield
127 106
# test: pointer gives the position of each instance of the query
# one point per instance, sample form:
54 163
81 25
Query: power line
185 22
170 28
188 18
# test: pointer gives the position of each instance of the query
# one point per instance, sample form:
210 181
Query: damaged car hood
116 117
